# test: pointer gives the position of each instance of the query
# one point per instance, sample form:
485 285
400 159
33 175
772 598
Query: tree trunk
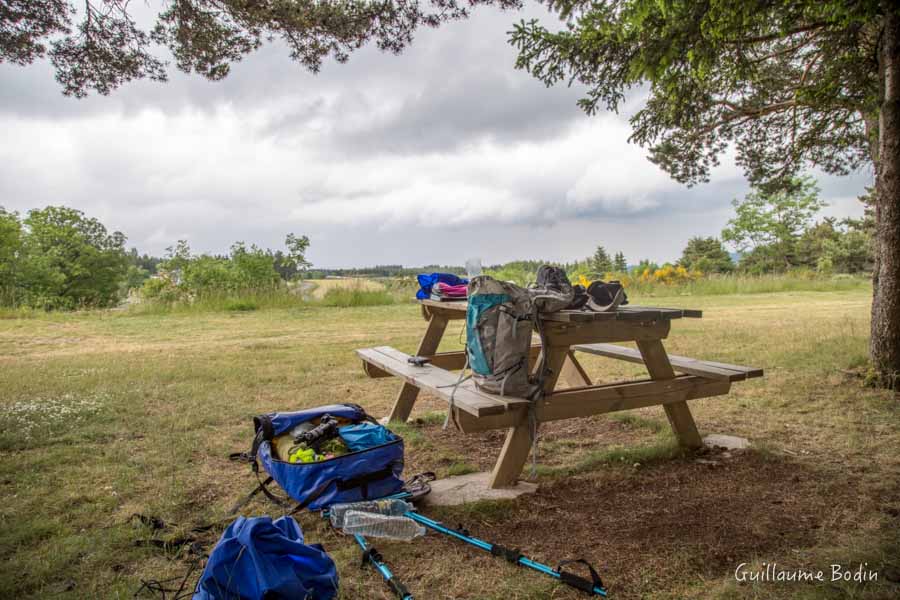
884 345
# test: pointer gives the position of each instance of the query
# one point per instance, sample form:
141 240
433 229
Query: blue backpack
263 559
372 469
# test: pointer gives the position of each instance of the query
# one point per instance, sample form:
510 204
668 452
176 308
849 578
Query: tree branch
739 112
774 36
806 42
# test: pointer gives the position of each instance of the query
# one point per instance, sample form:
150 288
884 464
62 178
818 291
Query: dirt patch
656 526
668 523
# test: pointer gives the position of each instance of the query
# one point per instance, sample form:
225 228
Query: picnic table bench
673 381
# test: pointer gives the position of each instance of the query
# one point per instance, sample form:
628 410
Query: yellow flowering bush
670 275
643 279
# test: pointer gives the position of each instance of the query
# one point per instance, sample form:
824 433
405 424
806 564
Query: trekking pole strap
510 554
370 555
578 582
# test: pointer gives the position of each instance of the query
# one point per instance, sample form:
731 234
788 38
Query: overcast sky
435 156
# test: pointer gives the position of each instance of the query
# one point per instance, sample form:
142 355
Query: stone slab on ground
731 442
463 489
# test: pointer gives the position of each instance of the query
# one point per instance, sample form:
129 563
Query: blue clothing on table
428 280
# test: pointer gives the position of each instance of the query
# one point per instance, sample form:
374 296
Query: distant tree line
771 232
383 271
58 258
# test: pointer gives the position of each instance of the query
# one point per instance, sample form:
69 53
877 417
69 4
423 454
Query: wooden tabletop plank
623 313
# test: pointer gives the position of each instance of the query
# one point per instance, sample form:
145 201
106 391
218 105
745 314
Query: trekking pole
514 556
371 555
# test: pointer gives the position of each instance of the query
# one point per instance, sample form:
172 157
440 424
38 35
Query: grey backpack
499 322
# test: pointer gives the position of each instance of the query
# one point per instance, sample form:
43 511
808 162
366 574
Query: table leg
573 373
657 361
403 405
518 439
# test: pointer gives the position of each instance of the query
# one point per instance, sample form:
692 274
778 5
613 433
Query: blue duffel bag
372 469
262 558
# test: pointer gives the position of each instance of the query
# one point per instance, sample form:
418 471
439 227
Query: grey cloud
464 108
360 157
453 86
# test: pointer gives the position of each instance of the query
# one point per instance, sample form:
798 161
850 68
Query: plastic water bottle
381 526
473 267
389 507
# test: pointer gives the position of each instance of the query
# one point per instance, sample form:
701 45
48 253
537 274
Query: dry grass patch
322 286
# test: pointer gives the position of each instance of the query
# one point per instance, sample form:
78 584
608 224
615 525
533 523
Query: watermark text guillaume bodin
772 573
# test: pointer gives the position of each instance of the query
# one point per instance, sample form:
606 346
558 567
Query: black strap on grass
150 521
162 587
156 523
261 488
158 586
172 545
576 581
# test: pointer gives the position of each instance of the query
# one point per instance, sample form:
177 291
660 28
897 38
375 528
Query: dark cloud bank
438 154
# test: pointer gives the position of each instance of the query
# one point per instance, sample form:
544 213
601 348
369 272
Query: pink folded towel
450 291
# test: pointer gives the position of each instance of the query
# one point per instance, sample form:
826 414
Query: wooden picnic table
567 332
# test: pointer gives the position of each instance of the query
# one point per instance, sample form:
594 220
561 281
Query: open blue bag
258 558
367 472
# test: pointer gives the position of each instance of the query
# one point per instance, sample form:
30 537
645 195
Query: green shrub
241 305
237 301
188 278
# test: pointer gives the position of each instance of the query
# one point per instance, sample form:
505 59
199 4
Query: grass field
104 415
323 286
